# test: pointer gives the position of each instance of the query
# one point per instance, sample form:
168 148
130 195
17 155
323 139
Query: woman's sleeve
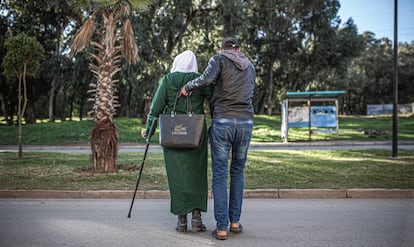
158 105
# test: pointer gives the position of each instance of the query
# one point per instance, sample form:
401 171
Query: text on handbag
179 129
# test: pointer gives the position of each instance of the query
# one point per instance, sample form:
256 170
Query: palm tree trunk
104 145
104 136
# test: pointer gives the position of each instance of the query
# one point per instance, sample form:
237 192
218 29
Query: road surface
268 222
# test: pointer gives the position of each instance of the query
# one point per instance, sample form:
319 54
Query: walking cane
142 166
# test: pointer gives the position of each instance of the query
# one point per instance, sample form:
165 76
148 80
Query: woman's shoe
196 222
238 229
219 237
182 223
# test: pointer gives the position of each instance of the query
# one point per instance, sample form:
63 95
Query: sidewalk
155 147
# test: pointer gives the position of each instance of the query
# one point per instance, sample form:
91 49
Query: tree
22 59
273 44
46 21
4 87
294 45
168 28
110 32
406 73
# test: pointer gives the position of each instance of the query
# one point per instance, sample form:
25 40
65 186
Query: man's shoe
219 237
238 229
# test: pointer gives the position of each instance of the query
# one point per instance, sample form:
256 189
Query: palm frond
79 5
129 48
135 4
82 37
97 58
97 45
140 4
106 2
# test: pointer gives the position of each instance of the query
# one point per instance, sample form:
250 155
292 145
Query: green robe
186 168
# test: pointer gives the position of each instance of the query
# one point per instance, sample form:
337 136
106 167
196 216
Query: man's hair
229 43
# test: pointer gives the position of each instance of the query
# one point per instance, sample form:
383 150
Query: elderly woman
186 168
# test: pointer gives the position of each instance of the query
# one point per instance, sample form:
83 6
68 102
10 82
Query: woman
186 168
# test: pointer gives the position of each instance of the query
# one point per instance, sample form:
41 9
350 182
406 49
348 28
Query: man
232 78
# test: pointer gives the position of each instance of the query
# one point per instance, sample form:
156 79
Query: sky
377 16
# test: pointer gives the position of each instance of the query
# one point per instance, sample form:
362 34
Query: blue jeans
229 134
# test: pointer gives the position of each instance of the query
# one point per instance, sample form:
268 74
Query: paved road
277 222
318 145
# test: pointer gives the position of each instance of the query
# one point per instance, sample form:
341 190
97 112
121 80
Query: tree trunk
104 136
71 99
227 9
21 108
269 89
52 100
8 119
56 74
20 118
64 102
260 108
129 99
104 145
268 92
30 115
81 108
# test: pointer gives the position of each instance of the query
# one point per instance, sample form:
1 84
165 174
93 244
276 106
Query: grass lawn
265 169
266 129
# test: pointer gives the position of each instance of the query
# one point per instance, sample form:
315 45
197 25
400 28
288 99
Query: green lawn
266 129
265 169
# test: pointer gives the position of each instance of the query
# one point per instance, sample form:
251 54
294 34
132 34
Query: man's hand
183 92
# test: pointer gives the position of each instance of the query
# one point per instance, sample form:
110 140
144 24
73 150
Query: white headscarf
185 62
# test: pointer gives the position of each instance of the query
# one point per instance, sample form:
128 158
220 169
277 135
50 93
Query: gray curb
248 194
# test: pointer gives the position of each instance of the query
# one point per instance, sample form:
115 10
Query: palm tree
110 32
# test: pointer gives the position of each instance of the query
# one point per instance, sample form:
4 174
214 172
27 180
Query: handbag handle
189 106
